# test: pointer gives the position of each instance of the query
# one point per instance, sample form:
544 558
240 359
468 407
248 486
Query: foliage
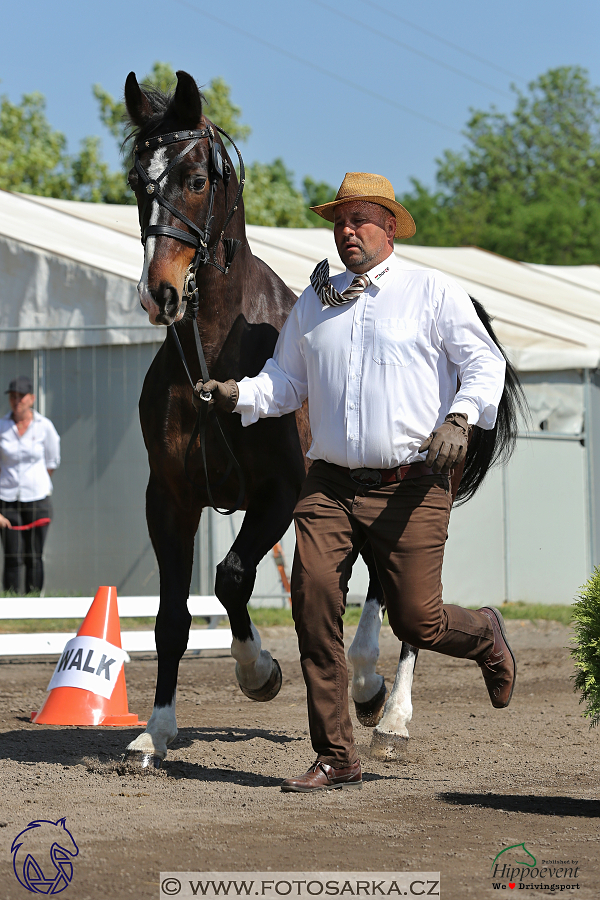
586 652
527 185
531 612
270 197
316 193
263 616
34 158
219 106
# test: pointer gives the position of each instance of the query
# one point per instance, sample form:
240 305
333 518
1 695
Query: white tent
548 317
69 273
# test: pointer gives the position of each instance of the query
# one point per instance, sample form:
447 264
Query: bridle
218 170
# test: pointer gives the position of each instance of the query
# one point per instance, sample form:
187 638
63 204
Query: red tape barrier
37 524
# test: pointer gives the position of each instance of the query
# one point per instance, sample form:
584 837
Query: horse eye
133 179
196 183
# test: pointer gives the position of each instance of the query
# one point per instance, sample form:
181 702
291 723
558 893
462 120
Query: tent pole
588 445
506 534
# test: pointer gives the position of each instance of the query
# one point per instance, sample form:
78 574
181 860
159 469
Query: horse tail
488 447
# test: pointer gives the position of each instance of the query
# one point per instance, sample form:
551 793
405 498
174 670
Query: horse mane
160 101
490 447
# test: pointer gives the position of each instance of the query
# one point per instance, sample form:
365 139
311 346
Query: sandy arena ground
474 780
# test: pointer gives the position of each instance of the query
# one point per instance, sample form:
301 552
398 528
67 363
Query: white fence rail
36 643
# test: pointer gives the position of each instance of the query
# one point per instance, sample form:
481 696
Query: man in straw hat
378 351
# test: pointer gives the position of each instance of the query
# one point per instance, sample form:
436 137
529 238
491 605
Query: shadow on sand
527 803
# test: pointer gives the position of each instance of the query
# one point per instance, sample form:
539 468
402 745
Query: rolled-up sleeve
51 447
480 364
281 386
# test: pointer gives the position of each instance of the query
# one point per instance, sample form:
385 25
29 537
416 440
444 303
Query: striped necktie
326 291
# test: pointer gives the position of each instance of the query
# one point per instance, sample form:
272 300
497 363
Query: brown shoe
321 776
499 670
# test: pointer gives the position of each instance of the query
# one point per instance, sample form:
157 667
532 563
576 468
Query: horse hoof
387 746
270 688
142 759
370 712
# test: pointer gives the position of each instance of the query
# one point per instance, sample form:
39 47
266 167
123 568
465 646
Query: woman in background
29 453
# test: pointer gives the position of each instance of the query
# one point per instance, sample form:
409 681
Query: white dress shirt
25 459
380 372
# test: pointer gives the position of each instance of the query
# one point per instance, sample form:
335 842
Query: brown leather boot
499 670
321 776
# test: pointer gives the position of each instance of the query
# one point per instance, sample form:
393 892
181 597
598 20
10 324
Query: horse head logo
51 871
528 861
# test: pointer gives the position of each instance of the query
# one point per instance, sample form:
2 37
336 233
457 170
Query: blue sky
329 86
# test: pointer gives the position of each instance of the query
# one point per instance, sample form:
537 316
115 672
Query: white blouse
25 460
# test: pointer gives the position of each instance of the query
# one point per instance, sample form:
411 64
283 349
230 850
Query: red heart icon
513 885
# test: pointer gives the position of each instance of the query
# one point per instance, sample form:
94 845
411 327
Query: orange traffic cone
88 684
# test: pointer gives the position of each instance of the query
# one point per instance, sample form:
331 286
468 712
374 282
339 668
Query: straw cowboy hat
374 189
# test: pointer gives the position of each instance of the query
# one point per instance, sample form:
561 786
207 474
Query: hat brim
405 226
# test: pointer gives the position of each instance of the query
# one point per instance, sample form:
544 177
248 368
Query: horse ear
187 102
137 103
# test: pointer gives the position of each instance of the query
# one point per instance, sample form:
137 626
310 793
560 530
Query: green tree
316 193
270 197
33 156
527 185
219 108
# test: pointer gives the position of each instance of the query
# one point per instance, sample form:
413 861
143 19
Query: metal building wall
98 534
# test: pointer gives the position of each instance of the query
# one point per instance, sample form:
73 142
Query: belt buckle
366 477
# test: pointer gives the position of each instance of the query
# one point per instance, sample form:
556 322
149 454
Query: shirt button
352 406
354 378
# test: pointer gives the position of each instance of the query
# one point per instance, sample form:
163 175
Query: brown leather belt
375 477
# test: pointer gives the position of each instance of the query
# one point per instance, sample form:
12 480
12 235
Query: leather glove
225 394
447 445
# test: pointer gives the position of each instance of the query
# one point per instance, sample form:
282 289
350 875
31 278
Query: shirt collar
378 274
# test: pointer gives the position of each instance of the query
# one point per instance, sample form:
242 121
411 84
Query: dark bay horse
192 223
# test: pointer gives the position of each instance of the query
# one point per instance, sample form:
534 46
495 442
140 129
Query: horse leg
258 674
368 688
172 525
390 736
390 718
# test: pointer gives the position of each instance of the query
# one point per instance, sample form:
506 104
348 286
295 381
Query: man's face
364 234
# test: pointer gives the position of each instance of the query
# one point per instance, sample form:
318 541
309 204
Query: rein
199 239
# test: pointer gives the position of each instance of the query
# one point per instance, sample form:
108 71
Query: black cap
20 385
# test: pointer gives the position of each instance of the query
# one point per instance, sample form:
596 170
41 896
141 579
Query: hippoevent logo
42 855
516 868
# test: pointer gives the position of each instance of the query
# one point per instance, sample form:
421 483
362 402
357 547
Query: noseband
218 169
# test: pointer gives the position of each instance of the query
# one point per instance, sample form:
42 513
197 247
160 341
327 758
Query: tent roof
548 317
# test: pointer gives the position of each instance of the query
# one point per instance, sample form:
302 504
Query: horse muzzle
163 306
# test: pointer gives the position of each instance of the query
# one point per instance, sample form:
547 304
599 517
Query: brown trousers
406 526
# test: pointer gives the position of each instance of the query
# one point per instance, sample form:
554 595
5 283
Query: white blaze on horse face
161 730
158 164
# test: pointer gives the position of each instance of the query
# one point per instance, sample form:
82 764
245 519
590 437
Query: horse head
179 163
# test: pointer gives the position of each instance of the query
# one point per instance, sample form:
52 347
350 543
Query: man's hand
447 445
225 394
4 523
